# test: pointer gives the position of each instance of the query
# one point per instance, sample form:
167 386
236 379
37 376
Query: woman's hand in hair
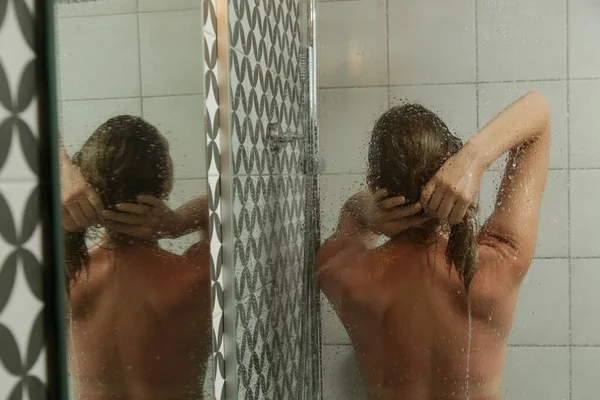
148 219
81 205
385 215
452 190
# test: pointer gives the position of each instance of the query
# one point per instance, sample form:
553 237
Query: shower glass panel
465 61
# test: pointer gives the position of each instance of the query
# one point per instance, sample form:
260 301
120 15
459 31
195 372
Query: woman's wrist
479 152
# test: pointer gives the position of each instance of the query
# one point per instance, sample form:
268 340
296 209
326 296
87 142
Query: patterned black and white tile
22 310
213 157
268 199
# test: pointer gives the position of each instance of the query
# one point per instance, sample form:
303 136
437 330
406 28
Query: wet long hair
409 144
123 158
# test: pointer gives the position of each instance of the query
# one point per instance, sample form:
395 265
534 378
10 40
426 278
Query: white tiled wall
116 60
466 60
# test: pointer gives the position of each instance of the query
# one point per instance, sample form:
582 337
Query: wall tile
268 217
585 196
92 8
534 373
99 57
17 53
455 104
171 53
584 97
21 298
584 52
420 53
346 118
335 190
553 226
542 315
352 46
585 275
255 318
162 5
586 373
181 120
266 98
494 97
522 39
341 379
332 329
80 118
19 154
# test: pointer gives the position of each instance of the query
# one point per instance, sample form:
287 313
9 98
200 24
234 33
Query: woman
429 312
139 316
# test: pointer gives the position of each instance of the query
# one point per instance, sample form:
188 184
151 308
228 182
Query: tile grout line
387 39
541 80
139 43
569 204
349 173
533 346
127 13
476 27
131 97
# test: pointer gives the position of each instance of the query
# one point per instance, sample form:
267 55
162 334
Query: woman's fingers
127 218
406 211
435 202
426 194
77 215
392 202
88 211
68 224
95 201
134 208
149 200
446 207
458 212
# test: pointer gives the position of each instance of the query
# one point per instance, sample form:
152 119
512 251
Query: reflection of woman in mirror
139 316
429 312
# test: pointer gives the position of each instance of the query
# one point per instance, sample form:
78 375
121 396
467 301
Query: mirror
133 185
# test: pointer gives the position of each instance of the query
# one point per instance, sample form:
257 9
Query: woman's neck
117 240
429 233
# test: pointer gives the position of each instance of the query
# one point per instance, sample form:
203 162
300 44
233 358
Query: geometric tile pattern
269 237
272 285
213 156
22 312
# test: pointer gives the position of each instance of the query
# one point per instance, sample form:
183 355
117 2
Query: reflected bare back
140 324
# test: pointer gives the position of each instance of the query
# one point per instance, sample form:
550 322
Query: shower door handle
278 139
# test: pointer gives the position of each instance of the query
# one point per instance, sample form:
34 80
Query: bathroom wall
268 199
466 60
138 57
23 195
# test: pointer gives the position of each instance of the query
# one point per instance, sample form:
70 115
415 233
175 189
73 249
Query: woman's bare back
408 318
140 325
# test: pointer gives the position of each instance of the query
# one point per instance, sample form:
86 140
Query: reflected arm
192 216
